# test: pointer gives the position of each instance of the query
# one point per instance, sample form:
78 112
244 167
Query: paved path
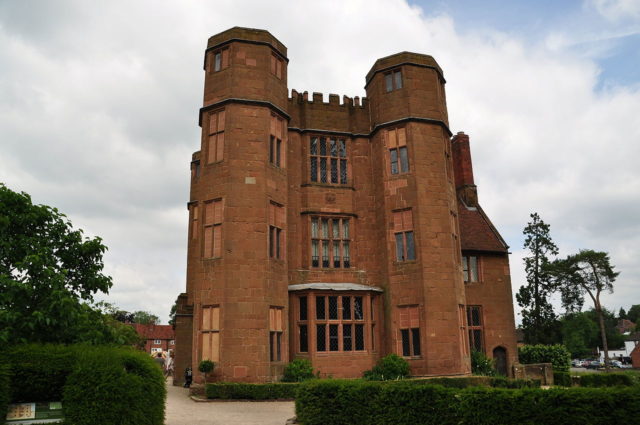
181 410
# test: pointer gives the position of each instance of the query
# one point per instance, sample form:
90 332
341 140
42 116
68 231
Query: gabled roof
154 331
477 233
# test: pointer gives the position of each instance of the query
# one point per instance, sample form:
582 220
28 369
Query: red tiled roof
154 331
476 231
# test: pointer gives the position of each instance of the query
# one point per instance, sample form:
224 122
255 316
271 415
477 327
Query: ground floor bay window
332 322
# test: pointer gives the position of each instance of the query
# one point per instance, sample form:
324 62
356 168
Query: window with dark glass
403 235
340 323
303 324
475 327
276 233
330 242
410 331
276 141
393 80
396 141
328 160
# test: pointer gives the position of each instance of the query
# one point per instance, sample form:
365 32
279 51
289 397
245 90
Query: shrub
206 366
111 386
39 371
481 381
481 364
298 370
242 391
557 355
562 379
338 402
5 389
388 368
606 380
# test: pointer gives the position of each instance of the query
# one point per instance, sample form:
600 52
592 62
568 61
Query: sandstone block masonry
336 231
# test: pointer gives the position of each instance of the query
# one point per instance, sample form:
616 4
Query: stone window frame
277 66
395 139
403 234
471 268
276 330
215 136
308 325
212 228
195 169
277 141
410 344
338 156
319 239
210 332
393 80
277 218
219 60
475 328
194 210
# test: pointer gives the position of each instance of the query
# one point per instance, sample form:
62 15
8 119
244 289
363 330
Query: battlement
334 99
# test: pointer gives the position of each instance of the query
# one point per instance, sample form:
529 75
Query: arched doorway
500 357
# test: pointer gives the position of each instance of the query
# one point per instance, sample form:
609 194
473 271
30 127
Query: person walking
159 360
168 367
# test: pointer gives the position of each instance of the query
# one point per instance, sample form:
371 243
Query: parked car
576 363
595 364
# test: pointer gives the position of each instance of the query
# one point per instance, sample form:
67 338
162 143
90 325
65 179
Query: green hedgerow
111 386
391 367
557 355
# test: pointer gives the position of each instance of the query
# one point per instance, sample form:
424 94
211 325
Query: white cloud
99 104
616 10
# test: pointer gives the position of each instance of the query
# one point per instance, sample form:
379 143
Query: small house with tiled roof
158 338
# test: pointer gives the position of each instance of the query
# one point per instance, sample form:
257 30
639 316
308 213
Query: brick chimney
463 170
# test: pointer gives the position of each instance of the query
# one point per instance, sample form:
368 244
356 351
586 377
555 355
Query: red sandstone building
338 232
157 338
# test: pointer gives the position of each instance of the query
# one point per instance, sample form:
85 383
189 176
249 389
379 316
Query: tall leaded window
330 242
410 331
328 160
340 323
396 141
475 327
403 235
470 268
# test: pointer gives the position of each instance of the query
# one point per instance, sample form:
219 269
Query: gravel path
181 410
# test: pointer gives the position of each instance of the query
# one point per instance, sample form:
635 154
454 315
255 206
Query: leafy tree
578 333
538 317
145 318
634 313
48 271
586 273
622 314
172 314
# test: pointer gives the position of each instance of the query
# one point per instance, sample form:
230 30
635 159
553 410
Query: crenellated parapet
344 115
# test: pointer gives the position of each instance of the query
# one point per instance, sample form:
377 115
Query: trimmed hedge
606 380
39 372
557 355
339 402
97 384
242 391
5 389
562 379
111 386
480 381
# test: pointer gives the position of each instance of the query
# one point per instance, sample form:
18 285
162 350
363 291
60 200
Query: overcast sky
99 113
